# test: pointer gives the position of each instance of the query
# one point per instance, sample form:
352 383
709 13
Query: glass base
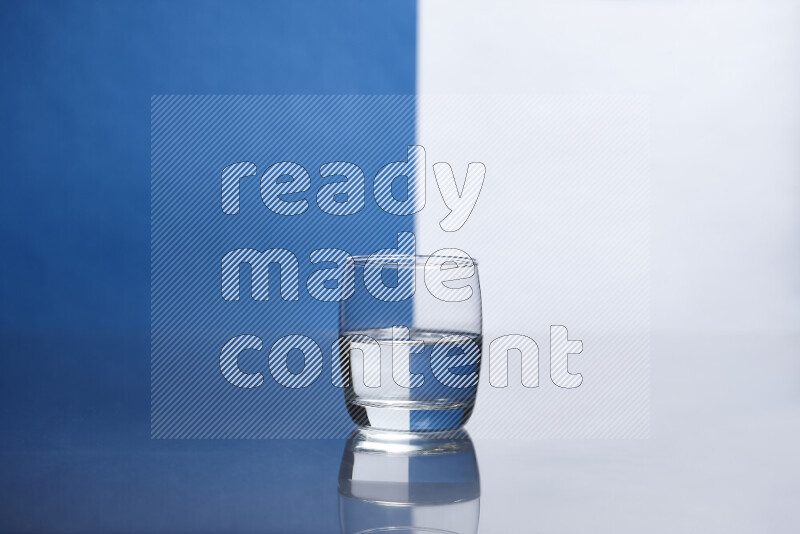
410 416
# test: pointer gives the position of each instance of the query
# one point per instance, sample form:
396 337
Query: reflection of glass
411 347
402 483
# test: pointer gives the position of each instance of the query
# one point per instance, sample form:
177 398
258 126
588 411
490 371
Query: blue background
77 82
193 139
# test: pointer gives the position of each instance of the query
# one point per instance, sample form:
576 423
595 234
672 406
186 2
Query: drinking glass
410 341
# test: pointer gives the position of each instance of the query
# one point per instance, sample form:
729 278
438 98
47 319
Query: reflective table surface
722 457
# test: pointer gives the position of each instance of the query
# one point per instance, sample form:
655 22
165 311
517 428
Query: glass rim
419 259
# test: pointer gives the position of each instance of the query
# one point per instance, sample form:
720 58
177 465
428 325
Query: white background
723 82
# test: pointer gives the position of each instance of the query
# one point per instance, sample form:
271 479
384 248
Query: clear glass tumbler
410 341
